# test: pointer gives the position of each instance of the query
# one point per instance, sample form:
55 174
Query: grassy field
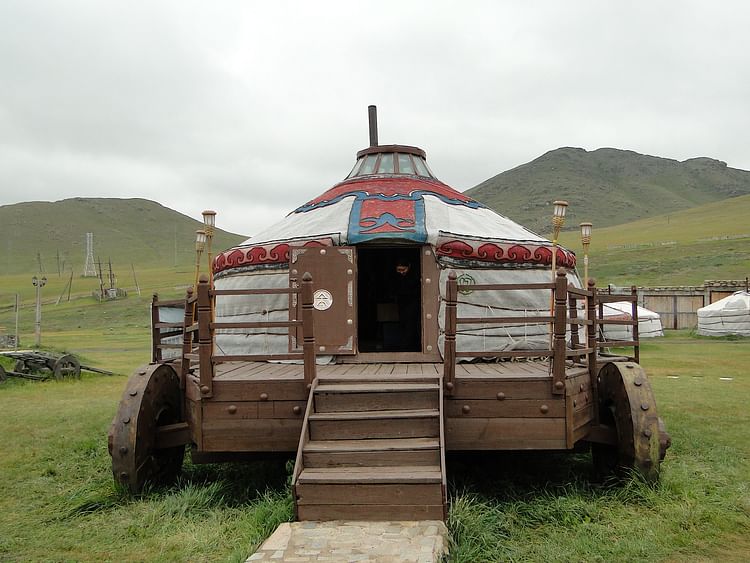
683 248
58 502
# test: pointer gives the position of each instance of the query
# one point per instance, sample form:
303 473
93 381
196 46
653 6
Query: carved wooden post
308 328
155 332
636 336
449 359
573 308
591 343
205 337
187 338
558 344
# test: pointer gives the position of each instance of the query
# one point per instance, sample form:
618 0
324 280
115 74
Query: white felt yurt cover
649 322
730 315
465 236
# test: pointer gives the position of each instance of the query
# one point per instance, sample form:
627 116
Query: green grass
58 501
673 249
536 507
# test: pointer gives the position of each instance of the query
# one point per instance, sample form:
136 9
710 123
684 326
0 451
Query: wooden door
334 274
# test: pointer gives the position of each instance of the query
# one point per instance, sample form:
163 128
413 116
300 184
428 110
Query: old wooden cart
470 357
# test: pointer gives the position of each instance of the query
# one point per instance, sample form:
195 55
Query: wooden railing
207 327
161 330
565 299
602 321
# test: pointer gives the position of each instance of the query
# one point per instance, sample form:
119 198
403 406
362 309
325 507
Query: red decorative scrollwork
503 252
274 253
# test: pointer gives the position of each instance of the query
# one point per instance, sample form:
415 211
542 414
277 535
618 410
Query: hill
687 247
607 186
137 231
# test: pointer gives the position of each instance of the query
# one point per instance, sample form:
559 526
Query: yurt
380 245
730 315
649 322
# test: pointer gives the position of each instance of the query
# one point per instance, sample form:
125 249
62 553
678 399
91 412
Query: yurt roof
738 301
392 196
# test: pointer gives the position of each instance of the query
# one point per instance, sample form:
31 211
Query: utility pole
16 344
39 283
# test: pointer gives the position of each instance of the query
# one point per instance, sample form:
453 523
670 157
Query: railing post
449 359
155 332
308 329
592 343
187 338
558 344
205 337
637 347
573 314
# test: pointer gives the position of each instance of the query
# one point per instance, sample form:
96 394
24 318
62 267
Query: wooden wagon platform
370 435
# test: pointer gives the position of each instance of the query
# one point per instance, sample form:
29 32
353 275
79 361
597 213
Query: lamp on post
200 244
558 220
586 241
209 222
39 283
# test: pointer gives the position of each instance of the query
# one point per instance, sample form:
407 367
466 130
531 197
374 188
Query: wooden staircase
372 449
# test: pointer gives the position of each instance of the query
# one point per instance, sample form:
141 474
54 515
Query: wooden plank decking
238 371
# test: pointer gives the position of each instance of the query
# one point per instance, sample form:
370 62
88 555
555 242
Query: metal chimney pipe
372 112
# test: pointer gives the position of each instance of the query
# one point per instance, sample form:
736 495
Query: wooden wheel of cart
67 366
3 376
150 405
627 405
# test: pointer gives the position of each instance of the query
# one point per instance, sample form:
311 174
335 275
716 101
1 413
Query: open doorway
389 293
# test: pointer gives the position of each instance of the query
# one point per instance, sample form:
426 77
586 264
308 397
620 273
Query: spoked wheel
627 405
151 403
67 366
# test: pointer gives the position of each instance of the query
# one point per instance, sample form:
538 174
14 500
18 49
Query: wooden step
370 512
371 475
382 387
379 379
362 453
376 415
376 397
395 494
418 423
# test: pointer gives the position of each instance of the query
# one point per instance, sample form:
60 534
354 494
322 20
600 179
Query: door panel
334 272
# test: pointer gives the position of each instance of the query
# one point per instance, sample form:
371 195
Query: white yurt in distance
380 245
730 315
649 322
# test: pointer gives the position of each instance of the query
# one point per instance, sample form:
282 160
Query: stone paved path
382 542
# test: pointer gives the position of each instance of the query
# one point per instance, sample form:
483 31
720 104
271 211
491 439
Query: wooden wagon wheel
67 366
151 401
3 376
626 403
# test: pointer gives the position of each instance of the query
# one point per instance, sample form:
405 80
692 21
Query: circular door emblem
322 299
465 279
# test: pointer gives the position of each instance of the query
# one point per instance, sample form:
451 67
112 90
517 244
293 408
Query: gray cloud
254 108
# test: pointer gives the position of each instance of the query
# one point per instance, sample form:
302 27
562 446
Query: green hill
137 231
607 186
687 247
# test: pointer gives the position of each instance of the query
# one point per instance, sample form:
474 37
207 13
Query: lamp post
200 244
558 220
39 283
586 241
209 222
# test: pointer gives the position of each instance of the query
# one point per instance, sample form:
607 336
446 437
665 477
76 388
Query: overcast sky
253 108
